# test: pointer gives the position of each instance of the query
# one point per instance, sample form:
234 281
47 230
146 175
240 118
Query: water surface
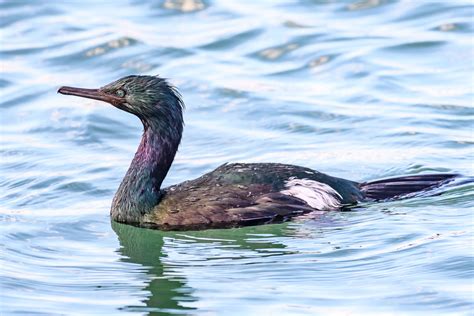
357 89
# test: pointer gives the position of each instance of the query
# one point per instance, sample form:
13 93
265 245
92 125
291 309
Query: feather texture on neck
139 191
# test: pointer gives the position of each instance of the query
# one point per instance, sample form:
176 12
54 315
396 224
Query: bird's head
150 98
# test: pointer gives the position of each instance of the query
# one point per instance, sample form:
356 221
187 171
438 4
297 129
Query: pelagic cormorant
232 195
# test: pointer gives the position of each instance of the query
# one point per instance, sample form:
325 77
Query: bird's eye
120 93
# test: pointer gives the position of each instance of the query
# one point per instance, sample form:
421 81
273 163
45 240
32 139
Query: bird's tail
402 187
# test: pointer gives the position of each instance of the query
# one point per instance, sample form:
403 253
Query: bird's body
232 195
249 194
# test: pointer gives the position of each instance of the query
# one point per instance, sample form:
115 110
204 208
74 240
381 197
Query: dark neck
139 191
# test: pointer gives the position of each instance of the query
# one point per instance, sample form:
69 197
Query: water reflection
165 255
173 261
143 247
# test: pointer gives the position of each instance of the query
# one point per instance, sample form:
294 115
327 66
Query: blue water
357 89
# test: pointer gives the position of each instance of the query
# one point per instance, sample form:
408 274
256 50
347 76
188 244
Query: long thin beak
95 94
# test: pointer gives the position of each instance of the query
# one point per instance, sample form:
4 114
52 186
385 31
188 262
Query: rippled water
357 89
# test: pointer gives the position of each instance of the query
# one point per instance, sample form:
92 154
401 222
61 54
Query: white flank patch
318 195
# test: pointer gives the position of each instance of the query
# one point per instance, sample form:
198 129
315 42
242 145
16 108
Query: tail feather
399 187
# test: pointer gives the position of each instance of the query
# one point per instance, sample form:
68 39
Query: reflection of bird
145 248
231 195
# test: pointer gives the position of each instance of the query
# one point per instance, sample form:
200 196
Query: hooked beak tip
65 90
